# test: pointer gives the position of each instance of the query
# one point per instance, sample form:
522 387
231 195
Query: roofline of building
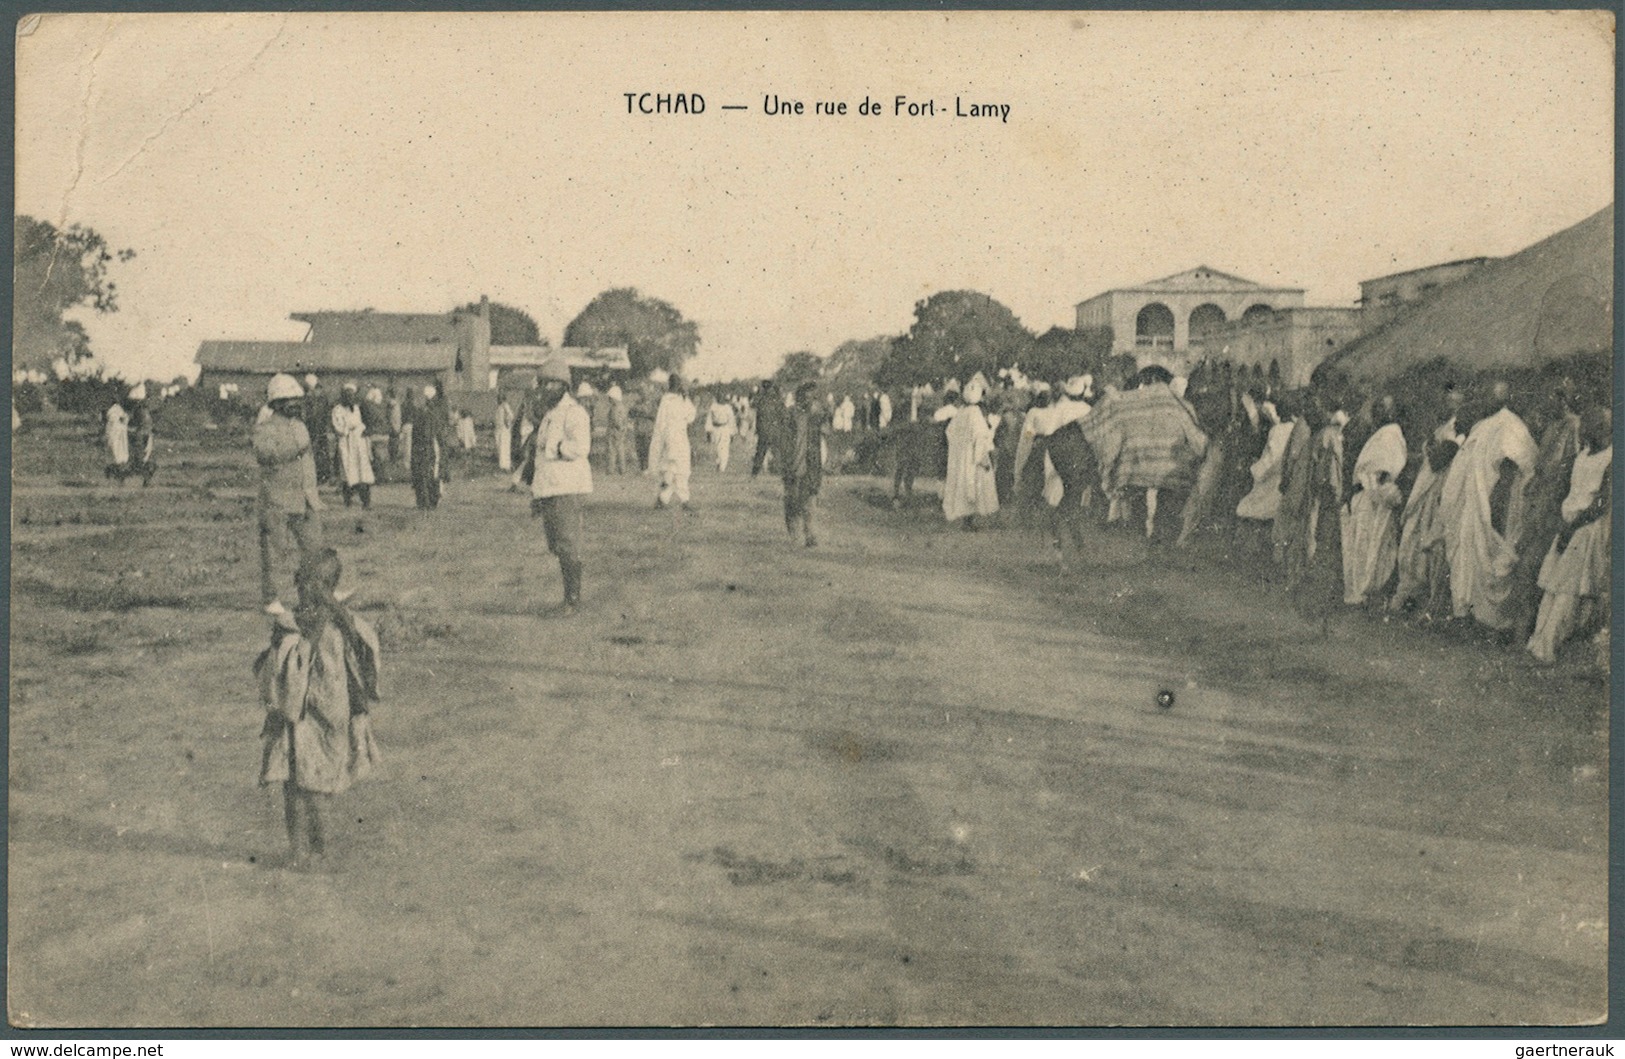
371 314
1427 268
1286 312
1193 290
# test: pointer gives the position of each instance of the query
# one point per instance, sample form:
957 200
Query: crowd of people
318 677
1442 496
1479 499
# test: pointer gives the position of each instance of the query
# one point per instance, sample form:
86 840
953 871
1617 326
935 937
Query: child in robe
318 682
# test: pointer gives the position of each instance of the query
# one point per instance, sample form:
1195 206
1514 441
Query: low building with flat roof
451 351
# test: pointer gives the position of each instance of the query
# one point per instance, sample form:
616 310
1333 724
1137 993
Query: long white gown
969 488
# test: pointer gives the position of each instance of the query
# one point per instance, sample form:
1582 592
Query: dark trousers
276 526
799 507
565 525
764 445
426 477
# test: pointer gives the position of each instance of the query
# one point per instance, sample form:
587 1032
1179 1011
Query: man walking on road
563 442
721 423
801 463
770 417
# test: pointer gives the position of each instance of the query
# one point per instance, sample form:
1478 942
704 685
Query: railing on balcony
1154 341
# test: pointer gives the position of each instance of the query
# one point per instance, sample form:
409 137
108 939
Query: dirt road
906 778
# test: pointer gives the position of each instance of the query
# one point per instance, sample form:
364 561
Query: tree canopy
851 367
58 270
797 368
955 334
510 326
1062 352
654 333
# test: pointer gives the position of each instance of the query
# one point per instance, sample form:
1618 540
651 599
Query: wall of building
1382 298
251 384
1297 339
1120 310
1096 312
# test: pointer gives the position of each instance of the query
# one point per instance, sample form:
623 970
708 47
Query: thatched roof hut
1546 302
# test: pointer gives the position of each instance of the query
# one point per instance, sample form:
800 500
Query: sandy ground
907 778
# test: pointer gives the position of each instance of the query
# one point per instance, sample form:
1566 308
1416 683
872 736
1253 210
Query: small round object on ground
1165 699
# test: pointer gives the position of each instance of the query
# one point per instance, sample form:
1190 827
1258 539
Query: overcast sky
262 164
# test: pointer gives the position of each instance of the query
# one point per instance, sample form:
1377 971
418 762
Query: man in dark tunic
801 462
428 449
770 421
318 413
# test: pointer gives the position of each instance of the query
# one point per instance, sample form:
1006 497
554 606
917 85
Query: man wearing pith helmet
288 501
563 441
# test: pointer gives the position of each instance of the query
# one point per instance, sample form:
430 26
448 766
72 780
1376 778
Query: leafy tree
56 271
510 326
851 368
797 368
1062 352
90 394
955 334
654 333
28 396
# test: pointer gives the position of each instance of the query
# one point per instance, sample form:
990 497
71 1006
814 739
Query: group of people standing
1470 501
614 435
1464 501
1483 504
319 677
127 431
870 410
358 440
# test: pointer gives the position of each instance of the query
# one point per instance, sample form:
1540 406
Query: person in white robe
504 425
355 457
1493 465
1424 576
1070 407
1577 566
117 434
669 453
1264 499
845 413
1370 537
721 423
969 490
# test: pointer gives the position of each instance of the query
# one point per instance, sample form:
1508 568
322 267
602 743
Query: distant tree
509 326
55 271
654 333
955 334
851 368
797 368
89 394
1062 352
28 396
